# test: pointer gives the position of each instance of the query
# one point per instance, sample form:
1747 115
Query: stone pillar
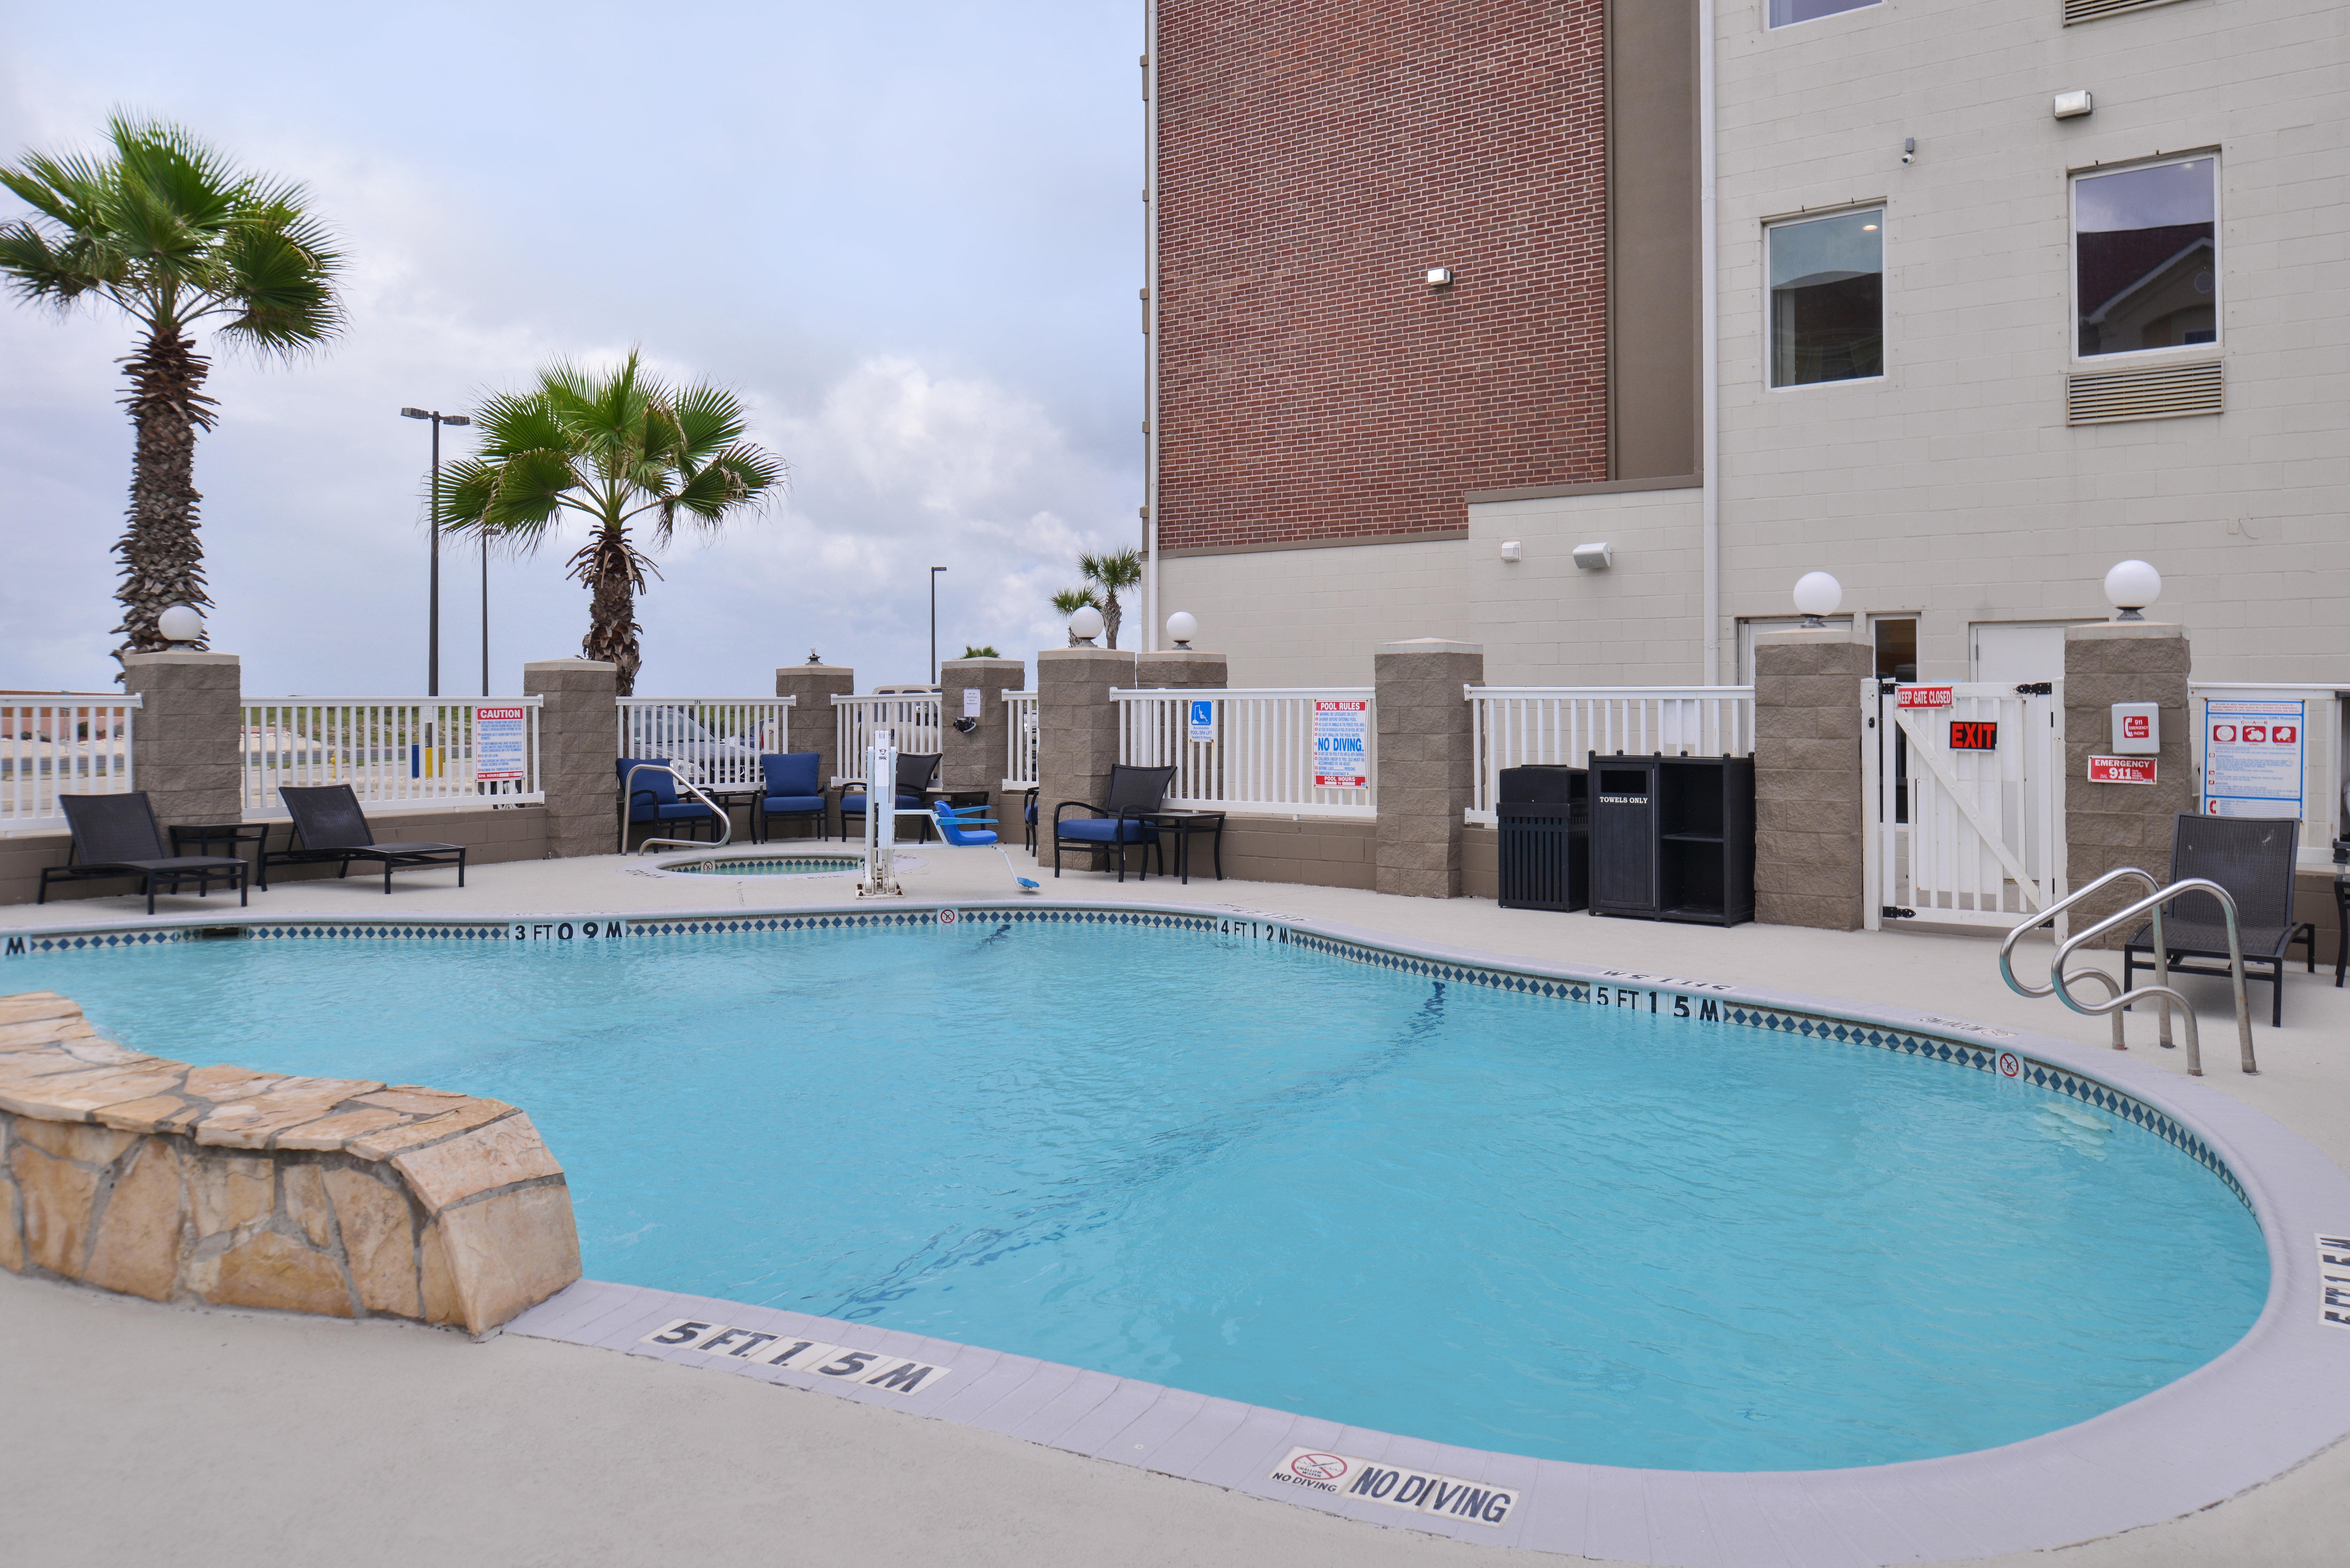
1180 668
1810 810
1076 730
976 760
185 739
815 727
2110 825
1423 766
578 733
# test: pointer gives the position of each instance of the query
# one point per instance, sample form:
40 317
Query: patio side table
203 835
1183 825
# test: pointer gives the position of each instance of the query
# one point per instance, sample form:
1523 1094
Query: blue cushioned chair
915 771
1134 793
793 790
652 800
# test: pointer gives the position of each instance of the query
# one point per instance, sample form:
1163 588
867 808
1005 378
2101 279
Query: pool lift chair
1134 794
881 824
962 826
115 835
330 825
668 781
2061 981
656 803
912 770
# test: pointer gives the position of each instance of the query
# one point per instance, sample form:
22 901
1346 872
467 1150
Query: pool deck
227 1435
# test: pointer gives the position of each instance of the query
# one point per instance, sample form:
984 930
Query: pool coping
2278 1397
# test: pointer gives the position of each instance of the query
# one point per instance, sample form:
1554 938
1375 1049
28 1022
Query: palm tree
613 448
1111 573
167 232
1069 601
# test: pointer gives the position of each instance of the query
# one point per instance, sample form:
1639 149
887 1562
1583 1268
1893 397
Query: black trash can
1545 816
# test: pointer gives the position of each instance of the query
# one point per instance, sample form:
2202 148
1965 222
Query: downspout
1151 319
1709 248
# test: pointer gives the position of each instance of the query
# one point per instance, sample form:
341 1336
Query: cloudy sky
909 237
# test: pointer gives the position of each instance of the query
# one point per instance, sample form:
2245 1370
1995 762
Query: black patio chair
915 771
2252 857
1134 793
330 825
115 835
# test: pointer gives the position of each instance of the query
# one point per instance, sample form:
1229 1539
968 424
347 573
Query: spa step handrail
725 819
2153 902
2113 986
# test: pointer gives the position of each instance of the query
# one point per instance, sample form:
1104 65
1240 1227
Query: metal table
1182 824
203 835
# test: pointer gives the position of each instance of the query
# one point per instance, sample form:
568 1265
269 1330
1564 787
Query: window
2146 258
1783 11
1827 299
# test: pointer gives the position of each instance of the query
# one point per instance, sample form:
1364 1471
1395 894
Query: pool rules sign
1342 745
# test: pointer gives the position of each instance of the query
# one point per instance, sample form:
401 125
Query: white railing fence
394 752
912 718
1256 751
2257 777
1020 741
1514 725
716 741
61 745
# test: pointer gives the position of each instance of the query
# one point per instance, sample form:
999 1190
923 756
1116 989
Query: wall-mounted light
2074 105
1513 550
1909 150
1440 277
1595 558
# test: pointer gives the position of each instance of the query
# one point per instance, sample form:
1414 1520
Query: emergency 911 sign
1342 745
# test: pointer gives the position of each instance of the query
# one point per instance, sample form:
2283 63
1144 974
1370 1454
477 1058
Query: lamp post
934 623
432 632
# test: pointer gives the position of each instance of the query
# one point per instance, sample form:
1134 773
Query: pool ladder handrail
2112 987
628 790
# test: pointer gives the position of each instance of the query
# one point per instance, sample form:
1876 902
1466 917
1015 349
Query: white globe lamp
1182 628
180 624
2130 587
1816 595
1085 625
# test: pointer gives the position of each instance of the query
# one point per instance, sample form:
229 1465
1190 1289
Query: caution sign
1394 1486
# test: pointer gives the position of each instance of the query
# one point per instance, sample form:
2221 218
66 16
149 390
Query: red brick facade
1316 157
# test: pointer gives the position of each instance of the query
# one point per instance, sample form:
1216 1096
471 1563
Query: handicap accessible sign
1200 720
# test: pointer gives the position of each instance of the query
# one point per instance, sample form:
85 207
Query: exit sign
1974 735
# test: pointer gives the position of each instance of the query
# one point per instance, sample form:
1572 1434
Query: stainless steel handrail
2113 986
2154 902
628 789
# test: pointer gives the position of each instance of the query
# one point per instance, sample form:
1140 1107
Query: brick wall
1315 158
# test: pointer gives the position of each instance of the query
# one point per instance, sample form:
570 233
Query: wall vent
2090 10
2163 392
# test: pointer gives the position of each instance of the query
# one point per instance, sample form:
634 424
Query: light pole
934 623
433 633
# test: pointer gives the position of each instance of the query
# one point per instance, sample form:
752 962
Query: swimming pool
1505 1220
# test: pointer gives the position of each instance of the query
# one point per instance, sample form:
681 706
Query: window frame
1769 26
2072 178
1885 312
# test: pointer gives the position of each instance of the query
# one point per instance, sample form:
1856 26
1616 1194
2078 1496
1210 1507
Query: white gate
1966 794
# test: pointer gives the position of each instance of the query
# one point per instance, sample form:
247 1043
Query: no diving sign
1417 1491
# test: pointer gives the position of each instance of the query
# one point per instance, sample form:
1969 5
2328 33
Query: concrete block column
976 760
184 742
578 741
1076 729
815 727
2110 825
1424 764
1810 813
1180 668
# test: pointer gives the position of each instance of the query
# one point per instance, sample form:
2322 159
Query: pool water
1481 1217
771 865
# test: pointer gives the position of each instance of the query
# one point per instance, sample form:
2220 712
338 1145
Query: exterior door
1982 841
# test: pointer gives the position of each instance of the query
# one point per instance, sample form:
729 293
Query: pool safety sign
1342 745
2252 757
1928 697
827 1363
1419 1492
2121 770
498 744
1200 720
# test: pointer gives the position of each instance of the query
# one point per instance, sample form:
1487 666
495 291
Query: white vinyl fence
716 741
1965 789
1020 741
61 745
912 718
1514 725
394 752
1268 751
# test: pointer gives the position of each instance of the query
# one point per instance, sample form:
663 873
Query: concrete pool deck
902 1487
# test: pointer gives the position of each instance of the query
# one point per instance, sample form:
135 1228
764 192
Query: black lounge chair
1134 793
330 825
2252 857
115 835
